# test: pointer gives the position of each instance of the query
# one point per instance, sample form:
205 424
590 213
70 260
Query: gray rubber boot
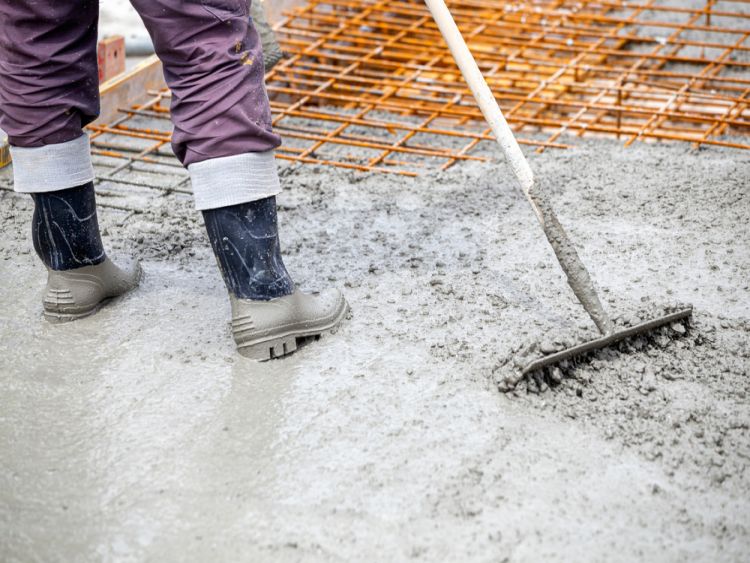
264 330
76 293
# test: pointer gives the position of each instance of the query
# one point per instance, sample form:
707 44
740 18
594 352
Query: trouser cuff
231 180
51 168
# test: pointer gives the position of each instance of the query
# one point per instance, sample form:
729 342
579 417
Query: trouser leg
48 90
213 65
222 132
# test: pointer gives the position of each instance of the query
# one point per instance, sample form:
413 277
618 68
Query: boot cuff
231 180
52 167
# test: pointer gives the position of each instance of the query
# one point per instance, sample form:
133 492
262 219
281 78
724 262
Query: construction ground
139 434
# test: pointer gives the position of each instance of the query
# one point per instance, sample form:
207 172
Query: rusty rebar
369 84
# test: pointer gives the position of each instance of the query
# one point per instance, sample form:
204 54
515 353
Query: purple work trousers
213 65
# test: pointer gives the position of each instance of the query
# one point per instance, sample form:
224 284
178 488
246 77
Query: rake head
605 341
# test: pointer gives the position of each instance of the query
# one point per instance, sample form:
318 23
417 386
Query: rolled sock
231 180
52 167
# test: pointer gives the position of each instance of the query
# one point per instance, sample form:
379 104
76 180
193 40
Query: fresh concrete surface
140 435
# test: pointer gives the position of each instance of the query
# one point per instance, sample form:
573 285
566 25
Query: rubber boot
80 277
268 313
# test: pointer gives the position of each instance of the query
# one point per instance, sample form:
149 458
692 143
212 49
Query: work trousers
213 65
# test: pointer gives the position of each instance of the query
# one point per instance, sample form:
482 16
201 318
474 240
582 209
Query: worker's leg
213 65
48 92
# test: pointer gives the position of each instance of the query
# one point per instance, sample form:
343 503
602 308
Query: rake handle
577 275
482 93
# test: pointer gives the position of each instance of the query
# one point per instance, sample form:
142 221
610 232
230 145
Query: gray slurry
139 434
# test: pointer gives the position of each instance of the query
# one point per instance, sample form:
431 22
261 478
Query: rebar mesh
650 70
370 84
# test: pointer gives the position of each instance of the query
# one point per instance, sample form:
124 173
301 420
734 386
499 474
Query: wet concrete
139 434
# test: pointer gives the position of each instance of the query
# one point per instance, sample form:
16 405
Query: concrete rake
577 276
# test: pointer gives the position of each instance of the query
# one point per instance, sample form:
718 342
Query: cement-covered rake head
540 367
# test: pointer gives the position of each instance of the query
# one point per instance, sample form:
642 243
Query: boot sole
275 347
59 318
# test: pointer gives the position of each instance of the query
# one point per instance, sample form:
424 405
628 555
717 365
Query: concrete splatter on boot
80 277
268 313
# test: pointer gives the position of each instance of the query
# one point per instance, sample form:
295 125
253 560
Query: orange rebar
369 84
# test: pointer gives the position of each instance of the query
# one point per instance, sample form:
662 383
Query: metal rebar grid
132 157
370 84
652 69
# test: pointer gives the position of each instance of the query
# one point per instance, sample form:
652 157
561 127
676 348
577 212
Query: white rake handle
482 93
578 277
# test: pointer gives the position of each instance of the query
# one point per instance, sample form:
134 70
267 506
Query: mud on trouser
212 63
